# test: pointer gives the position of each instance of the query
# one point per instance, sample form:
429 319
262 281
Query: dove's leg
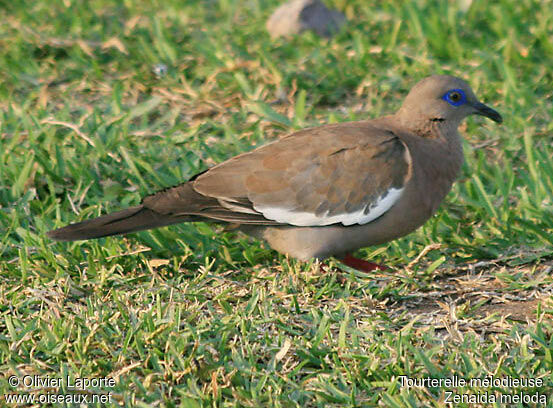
361 265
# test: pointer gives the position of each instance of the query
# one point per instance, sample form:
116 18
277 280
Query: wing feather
349 173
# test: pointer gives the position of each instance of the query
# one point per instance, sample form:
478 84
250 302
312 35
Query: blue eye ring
455 97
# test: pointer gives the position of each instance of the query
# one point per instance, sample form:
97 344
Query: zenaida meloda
324 191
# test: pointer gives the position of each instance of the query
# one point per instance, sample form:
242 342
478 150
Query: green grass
193 316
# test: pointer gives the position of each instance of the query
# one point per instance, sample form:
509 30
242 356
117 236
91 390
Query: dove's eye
455 97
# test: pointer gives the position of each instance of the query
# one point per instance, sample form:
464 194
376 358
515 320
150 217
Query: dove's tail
121 222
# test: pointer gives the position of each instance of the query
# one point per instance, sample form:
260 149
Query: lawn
104 102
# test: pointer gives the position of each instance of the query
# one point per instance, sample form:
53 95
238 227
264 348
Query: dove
324 191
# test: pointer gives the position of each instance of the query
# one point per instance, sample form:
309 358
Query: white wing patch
233 206
307 219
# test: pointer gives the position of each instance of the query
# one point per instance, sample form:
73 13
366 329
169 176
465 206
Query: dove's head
443 98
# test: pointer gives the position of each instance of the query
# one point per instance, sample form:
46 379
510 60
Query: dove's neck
437 147
432 139
428 127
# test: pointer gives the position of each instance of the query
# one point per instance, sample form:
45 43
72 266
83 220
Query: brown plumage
327 190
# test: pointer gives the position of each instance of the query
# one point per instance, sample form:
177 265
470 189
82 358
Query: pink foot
362 265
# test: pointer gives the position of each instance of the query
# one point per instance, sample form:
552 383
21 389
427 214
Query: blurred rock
296 16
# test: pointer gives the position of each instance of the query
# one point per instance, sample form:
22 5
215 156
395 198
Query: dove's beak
485 110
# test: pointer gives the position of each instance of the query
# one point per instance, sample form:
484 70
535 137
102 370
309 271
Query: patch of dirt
520 310
484 300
